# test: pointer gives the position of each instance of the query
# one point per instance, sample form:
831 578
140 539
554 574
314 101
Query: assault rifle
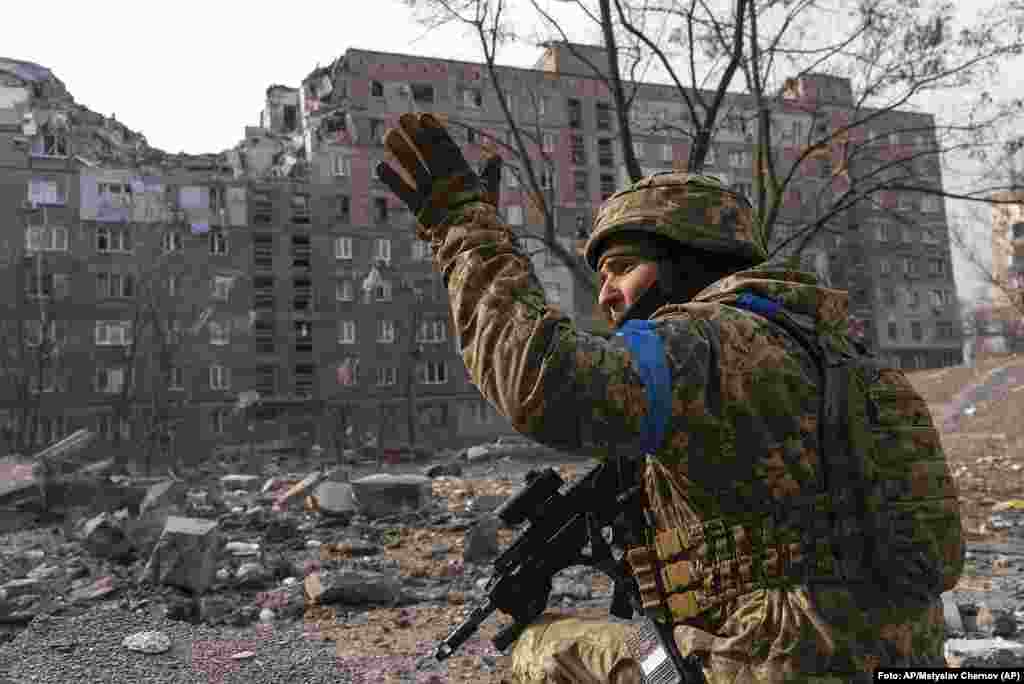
566 528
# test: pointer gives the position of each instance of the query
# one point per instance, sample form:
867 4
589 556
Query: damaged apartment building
150 296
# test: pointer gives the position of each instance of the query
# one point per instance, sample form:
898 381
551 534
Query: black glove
443 179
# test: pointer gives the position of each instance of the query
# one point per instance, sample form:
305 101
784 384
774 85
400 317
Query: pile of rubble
255 549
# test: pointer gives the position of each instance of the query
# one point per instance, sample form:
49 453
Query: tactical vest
888 514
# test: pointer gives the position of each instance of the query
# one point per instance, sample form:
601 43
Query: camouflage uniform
742 444
743 437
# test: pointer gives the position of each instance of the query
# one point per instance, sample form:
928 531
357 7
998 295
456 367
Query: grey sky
191 75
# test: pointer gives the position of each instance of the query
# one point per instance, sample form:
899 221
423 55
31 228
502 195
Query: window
548 143
173 285
553 292
910 265
299 203
908 235
172 334
423 93
348 371
113 333
376 89
513 177
110 380
346 332
343 247
930 204
603 112
218 242
115 285
884 266
916 331
42 191
433 373
48 144
380 209
176 379
575 114
219 377
172 241
113 239
382 250
936 267
385 331
944 330
377 130
382 292
341 166
884 233
343 291
710 159
638 149
577 152
889 296
607 185
222 287
34 332
435 330
55 285
421 251
580 184
542 105
913 299
515 215
546 179
1017 231
386 376
605 155
894 330
930 236
471 97
219 333
50 239
666 153
218 421
342 208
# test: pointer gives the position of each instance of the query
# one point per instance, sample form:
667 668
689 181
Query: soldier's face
624 279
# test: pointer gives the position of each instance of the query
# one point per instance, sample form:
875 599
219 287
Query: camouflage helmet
691 210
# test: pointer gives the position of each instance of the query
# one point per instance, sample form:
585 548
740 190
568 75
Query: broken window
575 114
471 97
291 118
578 152
423 93
377 131
342 208
113 239
607 185
49 144
114 285
580 184
218 242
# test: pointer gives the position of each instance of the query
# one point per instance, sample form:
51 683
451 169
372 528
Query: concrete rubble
236 550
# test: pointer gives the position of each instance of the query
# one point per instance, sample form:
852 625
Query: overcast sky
191 75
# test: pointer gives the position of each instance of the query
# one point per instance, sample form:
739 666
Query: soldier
744 572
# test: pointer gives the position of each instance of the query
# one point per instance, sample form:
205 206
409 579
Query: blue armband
651 364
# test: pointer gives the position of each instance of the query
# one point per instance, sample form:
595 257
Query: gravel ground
87 648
